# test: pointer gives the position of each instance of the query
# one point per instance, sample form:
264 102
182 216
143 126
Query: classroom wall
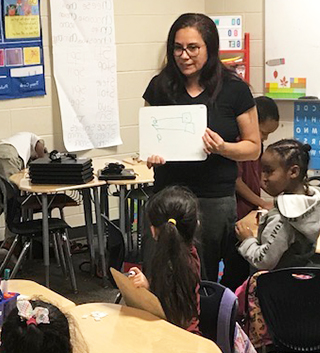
141 28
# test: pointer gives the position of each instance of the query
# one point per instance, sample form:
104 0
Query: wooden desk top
30 289
126 330
23 182
250 220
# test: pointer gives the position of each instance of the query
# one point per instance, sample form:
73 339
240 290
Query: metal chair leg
9 254
61 255
21 258
66 243
55 249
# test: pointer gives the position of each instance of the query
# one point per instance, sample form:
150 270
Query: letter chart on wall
21 54
307 128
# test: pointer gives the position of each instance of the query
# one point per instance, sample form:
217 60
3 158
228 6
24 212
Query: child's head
173 208
285 166
268 115
27 330
173 214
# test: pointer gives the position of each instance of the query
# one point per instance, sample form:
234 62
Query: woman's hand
213 142
139 280
155 161
243 232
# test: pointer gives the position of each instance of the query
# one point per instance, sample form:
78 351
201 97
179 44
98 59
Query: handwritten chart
85 72
307 128
21 54
173 132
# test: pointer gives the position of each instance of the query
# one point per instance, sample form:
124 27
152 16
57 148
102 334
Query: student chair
31 229
115 246
218 310
289 300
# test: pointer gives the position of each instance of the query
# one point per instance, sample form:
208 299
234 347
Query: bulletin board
292 48
307 128
21 53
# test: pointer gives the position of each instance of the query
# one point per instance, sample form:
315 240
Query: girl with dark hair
194 74
288 233
175 272
36 326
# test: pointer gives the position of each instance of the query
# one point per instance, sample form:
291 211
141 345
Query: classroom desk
23 182
144 176
33 289
132 330
250 220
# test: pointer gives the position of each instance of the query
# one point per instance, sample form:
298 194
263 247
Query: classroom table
132 330
251 221
144 176
23 182
33 289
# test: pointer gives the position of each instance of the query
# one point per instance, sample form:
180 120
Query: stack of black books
65 170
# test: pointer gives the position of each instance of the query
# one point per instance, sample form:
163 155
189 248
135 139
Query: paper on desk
139 298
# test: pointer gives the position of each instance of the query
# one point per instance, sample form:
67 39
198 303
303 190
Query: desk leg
101 244
45 236
88 219
122 216
104 200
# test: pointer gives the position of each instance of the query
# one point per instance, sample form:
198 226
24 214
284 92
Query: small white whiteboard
173 132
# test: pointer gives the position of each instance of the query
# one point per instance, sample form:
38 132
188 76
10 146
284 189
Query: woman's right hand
155 161
139 280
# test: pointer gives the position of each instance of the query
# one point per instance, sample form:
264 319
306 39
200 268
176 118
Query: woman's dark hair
174 275
172 81
293 152
18 337
267 109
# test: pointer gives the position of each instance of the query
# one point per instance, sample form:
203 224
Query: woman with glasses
194 74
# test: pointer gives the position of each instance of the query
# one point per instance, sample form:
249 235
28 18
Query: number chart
230 31
307 128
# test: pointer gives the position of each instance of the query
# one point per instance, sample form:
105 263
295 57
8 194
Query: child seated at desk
36 326
175 270
288 233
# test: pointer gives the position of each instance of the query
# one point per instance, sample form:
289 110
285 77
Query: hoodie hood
302 212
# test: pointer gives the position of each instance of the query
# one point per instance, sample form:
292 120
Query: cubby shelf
243 54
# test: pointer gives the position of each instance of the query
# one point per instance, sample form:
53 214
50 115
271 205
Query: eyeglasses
192 50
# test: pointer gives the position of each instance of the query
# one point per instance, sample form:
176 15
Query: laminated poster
21 54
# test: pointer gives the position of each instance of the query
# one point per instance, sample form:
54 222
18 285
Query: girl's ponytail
174 214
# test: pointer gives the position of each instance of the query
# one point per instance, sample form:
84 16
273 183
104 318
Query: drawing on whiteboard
183 123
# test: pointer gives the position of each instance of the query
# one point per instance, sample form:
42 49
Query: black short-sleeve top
214 177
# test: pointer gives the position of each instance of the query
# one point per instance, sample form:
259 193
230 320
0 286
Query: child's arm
276 237
244 191
139 279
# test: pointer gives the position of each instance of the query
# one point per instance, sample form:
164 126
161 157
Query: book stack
65 170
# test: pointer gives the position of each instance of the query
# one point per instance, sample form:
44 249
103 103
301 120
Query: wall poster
84 64
21 54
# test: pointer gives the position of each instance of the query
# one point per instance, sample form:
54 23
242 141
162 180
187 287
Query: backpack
249 313
218 311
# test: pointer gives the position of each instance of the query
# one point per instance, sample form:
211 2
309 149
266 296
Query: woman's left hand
213 142
243 232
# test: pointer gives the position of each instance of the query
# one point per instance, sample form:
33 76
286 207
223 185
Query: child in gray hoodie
288 233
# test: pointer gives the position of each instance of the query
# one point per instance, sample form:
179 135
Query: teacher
194 74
